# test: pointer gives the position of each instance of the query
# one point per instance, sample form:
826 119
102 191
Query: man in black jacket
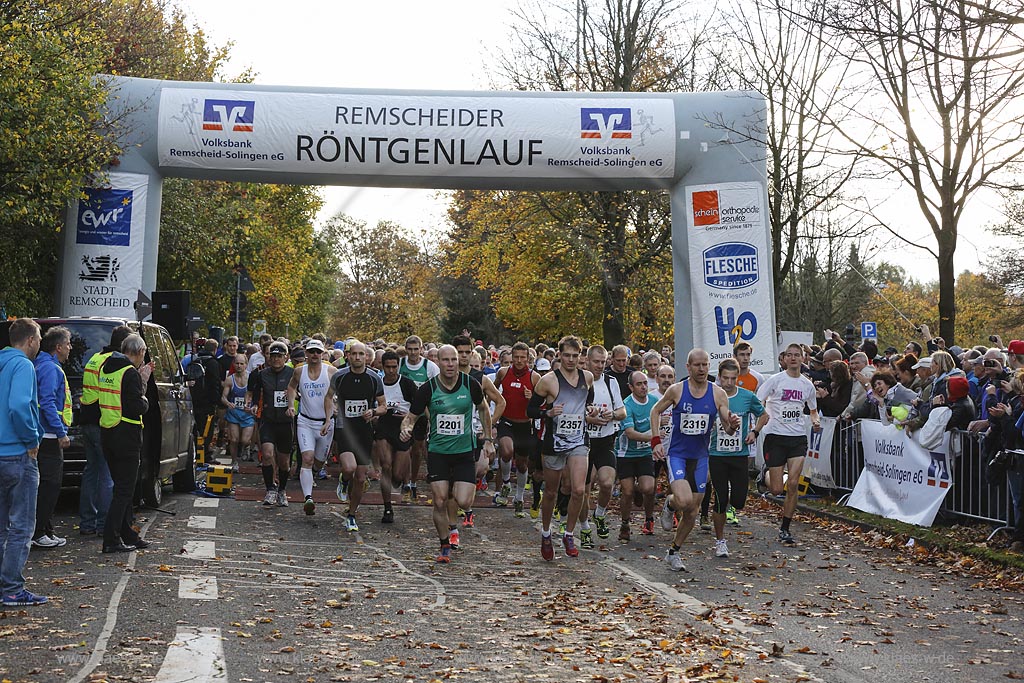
123 379
207 390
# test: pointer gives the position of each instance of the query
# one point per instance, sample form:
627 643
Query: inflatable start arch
445 140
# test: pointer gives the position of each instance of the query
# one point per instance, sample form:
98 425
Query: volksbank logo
231 115
731 265
105 218
705 208
606 123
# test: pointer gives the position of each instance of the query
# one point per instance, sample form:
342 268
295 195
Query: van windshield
87 338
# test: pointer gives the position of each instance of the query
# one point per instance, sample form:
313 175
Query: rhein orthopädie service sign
405 135
103 248
730 271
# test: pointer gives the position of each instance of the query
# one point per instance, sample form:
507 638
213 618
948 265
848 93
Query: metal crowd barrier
971 496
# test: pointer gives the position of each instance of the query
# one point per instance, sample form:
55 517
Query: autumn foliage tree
388 284
54 135
613 46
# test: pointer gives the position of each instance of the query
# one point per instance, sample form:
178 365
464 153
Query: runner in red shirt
515 430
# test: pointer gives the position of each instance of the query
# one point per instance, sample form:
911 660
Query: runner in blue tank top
695 403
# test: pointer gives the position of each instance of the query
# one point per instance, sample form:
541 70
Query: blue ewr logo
105 218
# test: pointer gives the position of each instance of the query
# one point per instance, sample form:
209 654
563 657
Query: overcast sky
444 45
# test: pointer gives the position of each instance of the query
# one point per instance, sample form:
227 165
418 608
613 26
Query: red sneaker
547 551
453 539
570 546
446 554
648 528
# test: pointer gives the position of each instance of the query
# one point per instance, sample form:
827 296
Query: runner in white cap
311 383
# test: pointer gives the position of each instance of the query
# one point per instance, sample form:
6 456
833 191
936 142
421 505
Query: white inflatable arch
448 140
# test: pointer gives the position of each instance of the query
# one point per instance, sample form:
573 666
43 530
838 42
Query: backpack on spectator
196 376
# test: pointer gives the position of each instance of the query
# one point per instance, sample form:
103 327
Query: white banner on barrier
731 271
818 463
103 248
901 479
405 135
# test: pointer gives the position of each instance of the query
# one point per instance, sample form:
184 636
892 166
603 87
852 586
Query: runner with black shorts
728 454
634 465
464 348
516 440
268 388
785 395
695 402
392 451
360 396
602 427
419 370
449 400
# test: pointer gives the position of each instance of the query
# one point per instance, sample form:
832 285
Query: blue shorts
693 470
241 418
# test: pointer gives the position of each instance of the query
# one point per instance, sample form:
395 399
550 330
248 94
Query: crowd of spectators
931 389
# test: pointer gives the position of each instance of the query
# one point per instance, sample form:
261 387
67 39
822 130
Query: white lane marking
202 522
196 654
100 650
200 550
355 534
439 599
206 502
197 587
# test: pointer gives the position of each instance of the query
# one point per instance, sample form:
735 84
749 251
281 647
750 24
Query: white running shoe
675 563
270 498
282 499
721 548
45 541
668 516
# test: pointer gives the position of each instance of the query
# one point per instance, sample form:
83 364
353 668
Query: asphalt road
233 591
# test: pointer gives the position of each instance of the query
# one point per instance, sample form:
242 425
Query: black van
168 450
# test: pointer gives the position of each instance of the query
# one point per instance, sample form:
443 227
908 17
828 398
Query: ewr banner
103 248
901 479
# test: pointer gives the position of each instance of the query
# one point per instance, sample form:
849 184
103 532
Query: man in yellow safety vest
97 487
122 389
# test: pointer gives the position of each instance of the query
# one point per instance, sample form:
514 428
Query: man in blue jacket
20 433
55 416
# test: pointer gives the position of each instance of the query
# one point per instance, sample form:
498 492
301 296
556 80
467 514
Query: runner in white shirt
601 428
310 384
784 395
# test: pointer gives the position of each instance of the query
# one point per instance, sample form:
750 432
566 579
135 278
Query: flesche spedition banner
411 135
731 271
901 479
103 248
